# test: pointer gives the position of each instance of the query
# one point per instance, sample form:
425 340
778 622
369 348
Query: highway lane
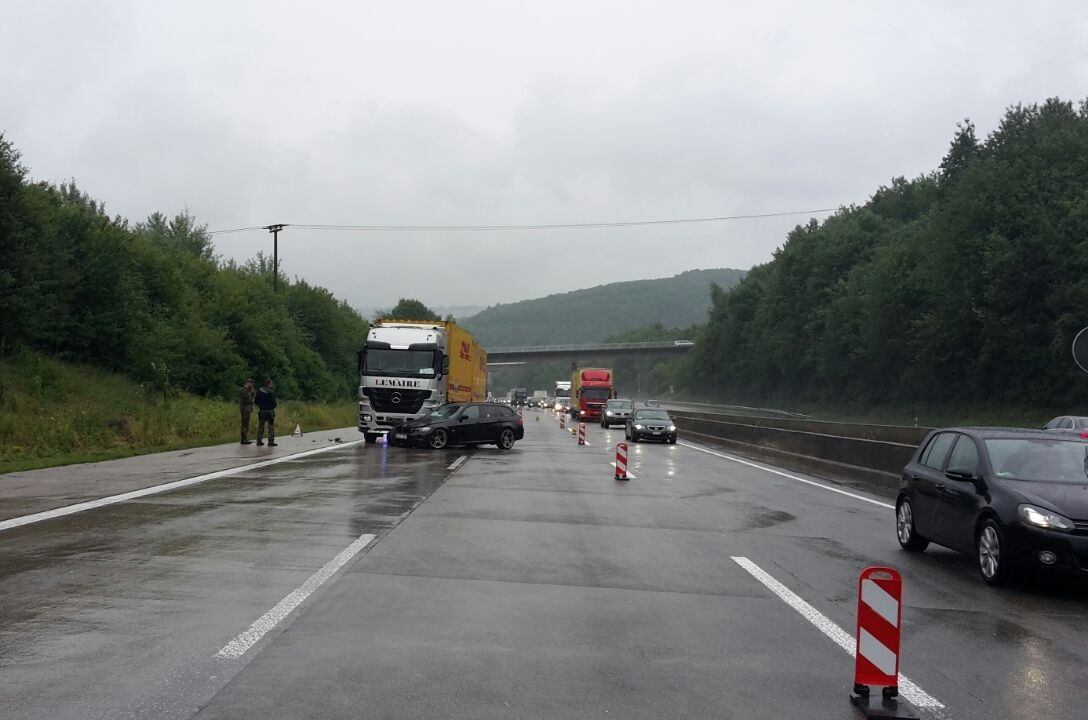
529 584
119 611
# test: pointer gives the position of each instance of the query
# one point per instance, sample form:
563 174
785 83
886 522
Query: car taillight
521 421
1084 434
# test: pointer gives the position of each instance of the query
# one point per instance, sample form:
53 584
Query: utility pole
275 230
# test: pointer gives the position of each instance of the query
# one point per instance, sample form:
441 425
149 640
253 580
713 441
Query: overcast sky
439 113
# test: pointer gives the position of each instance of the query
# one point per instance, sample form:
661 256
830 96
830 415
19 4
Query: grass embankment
52 414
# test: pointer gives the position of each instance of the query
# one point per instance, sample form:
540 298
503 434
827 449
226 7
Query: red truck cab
590 389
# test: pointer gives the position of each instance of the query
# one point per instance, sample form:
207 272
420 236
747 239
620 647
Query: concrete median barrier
843 451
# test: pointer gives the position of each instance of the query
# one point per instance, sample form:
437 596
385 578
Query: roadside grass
52 413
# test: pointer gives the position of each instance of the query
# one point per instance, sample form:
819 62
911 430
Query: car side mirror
963 474
461 418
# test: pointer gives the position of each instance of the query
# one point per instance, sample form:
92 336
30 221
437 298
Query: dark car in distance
478 423
616 412
650 424
1013 498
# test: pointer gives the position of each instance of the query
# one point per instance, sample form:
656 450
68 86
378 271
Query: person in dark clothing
245 407
266 413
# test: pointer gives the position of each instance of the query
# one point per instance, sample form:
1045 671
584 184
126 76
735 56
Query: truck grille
394 400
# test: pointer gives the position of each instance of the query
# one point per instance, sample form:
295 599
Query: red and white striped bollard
621 461
880 612
581 433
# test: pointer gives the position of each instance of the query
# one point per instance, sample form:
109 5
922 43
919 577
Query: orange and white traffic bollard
876 663
621 461
581 433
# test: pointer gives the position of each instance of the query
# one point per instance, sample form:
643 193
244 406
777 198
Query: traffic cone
297 432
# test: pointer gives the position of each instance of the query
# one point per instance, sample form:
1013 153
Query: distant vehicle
682 343
1068 423
521 396
653 403
616 412
590 388
408 368
1012 498
647 424
464 424
562 395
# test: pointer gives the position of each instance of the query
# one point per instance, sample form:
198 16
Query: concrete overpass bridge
500 356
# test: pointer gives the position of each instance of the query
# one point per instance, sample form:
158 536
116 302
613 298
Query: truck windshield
379 361
596 393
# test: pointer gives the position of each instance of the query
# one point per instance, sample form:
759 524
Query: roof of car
985 432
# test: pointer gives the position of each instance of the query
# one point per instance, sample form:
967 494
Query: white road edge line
629 473
908 689
156 489
791 477
237 647
457 463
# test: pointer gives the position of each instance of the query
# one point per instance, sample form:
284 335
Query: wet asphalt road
523 584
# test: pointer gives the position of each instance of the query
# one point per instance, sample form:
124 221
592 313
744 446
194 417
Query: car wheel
370 438
626 434
506 439
634 437
993 555
439 439
909 539
672 440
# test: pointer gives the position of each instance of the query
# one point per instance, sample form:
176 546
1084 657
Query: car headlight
607 412
638 427
581 412
1040 518
366 418
672 428
423 429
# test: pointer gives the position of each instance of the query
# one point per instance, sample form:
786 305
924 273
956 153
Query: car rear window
505 411
1039 459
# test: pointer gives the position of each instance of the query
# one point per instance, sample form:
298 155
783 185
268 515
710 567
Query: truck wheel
370 438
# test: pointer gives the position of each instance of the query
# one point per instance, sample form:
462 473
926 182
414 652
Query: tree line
963 286
153 301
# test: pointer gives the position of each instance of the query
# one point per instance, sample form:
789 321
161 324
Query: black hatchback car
462 424
1012 498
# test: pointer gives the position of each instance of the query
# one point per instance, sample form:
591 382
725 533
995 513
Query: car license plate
401 436
657 432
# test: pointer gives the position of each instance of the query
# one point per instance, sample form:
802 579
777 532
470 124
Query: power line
548 226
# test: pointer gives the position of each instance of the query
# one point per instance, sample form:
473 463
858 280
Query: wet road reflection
108 598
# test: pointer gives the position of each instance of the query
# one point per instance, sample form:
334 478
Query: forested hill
964 286
593 314
152 301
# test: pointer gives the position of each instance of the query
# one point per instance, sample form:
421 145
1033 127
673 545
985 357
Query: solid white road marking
791 477
457 463
156 489
907 688
247 639
629 473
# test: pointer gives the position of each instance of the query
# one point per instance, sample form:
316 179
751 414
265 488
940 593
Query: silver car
616 412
